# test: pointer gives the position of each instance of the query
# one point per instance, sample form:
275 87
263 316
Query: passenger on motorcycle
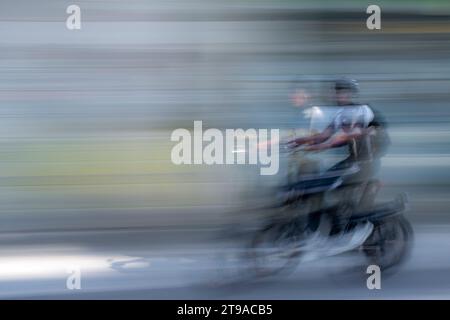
363 130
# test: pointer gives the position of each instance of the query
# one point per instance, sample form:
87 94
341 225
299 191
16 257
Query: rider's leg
315 215
370 185
341 215
353 186
370 192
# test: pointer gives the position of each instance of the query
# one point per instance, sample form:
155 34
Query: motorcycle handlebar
288 148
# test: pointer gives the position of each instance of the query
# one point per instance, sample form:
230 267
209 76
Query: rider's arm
339 140
277 141
316 138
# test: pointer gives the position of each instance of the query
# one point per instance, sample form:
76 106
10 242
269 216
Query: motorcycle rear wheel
390 242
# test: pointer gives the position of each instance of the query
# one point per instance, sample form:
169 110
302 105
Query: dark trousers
358 193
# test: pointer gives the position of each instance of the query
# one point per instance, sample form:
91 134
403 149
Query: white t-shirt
349 117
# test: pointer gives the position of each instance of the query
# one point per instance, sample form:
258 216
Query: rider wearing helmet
363 130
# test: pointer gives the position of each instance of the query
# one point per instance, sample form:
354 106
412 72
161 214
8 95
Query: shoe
312 247
349 240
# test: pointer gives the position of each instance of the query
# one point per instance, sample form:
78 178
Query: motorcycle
380 231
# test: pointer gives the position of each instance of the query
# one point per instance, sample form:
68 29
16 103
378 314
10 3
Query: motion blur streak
86 176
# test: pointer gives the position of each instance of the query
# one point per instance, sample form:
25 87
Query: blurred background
86 118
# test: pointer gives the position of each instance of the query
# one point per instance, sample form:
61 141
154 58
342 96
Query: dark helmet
346 84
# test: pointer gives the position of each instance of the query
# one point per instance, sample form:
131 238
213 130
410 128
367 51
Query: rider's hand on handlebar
292 146
316 147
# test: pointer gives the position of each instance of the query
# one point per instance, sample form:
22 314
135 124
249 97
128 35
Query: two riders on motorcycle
363 130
